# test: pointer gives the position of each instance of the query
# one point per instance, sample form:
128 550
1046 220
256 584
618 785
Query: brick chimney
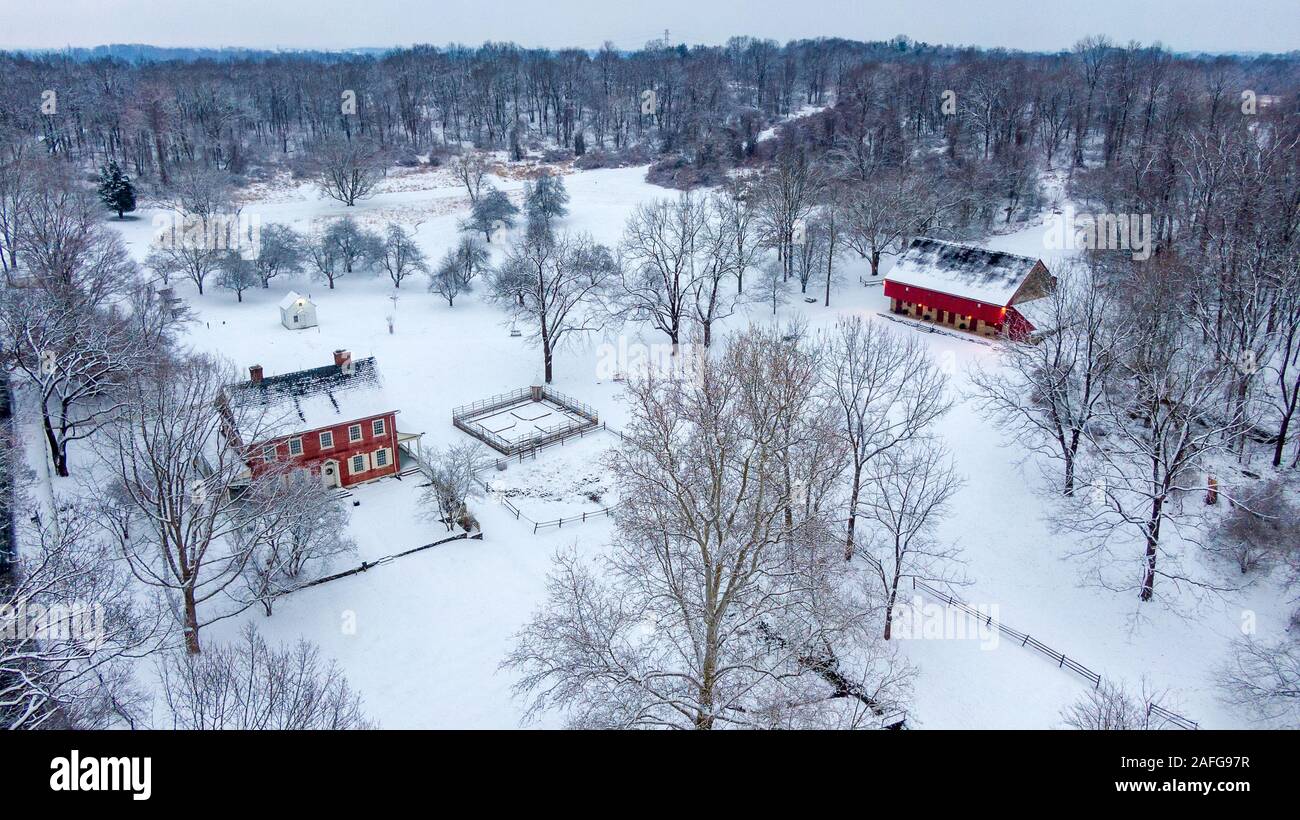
342 357
255 373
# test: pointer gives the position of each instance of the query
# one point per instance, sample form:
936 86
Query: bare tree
458 269
237 274
1285 366
1253 533
250 685
1046 391
353 246
773 291
1111 707
76 358
882 213
177 495
19 172
720 256
556 286
784 197
69 629
734 206
886 392
453 480
1161 417
725 607
307 529
65 250
1264 678
658 253
348 170
323 259
183 259
906 494
281 252
471 168
400 256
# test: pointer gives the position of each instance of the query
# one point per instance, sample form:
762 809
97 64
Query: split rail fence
1062 660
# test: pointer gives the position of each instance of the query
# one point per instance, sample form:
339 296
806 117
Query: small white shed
297 311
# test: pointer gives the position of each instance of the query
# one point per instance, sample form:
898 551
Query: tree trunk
191 627
57 454
889 610
1153 541
853 511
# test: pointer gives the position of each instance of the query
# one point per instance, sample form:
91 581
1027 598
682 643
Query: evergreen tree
116 190
545 200
492 210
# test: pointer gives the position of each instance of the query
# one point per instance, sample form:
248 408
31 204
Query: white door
329 473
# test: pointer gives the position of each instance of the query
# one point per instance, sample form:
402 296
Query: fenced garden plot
529 418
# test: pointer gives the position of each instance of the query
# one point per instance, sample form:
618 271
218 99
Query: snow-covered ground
562 481
431 629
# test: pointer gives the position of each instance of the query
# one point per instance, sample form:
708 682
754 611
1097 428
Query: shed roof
978 274
291 297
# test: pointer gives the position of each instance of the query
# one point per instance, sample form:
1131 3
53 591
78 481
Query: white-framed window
269 452
295 446
377 427
382 458
354 432
327 439
358 464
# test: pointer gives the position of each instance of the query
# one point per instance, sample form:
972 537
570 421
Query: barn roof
310 399
291 297
978 274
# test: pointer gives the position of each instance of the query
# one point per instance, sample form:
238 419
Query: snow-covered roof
291 297
991 277
309 400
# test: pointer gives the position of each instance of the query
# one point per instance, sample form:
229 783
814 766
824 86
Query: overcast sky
1186 25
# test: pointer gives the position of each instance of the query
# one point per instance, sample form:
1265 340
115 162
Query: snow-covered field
431 629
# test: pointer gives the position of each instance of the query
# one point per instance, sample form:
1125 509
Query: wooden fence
1062 660
531 452
544 525
387 559
1178 721
463 417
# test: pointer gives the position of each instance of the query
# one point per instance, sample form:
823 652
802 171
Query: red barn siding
996 316
991 314
313 456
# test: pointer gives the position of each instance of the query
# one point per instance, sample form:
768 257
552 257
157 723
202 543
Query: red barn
335 421
966 288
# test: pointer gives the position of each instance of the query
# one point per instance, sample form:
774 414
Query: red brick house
967 288
335 421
